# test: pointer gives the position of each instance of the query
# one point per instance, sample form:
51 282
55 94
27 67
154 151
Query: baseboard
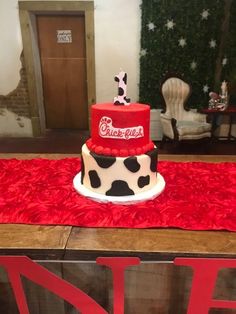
155 125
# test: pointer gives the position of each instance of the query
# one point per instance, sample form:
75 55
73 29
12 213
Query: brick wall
17 101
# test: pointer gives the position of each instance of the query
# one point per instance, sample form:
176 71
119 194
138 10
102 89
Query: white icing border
130 199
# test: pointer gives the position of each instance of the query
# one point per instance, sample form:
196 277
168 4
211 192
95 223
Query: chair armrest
165 116
195 116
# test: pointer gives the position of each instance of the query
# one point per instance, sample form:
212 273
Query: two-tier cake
119 161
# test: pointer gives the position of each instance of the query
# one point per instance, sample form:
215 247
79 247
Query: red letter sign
204 279
118 266
22 265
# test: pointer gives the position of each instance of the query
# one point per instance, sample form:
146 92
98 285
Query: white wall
117 46
10 46
13 125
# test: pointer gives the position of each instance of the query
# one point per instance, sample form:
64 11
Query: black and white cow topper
121 99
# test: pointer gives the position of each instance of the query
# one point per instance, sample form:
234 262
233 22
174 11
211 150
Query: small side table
213 114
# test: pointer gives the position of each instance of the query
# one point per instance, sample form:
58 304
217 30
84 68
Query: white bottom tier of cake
125 200
120 179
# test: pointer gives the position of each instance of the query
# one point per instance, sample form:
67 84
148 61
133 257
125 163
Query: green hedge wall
187 38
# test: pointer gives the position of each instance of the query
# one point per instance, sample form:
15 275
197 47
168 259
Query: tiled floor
71 141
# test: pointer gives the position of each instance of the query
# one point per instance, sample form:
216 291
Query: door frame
28 10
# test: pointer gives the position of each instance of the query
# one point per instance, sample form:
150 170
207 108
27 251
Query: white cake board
130 199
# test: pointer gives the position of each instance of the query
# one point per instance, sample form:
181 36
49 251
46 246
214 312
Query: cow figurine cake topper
121 99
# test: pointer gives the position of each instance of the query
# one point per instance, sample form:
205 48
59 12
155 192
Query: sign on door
64 36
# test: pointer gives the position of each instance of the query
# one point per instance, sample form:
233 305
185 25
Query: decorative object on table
219 101
213 101
119 161
223 96
179 123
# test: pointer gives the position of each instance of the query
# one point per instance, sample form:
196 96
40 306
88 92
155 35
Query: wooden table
214 114
74 243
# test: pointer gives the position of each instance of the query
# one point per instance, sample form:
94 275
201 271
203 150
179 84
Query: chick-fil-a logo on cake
107 130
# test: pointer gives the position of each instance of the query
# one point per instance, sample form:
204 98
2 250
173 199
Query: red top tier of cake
120 130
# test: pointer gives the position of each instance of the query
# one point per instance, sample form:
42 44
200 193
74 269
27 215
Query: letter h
204 279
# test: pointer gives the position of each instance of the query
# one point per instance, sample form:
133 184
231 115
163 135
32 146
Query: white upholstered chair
177 122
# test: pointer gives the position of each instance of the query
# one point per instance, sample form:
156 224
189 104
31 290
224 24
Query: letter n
22 265
204 279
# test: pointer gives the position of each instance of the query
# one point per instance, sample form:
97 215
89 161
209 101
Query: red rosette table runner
198 196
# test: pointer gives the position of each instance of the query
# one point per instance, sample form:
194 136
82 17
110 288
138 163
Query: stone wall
18 100
14 109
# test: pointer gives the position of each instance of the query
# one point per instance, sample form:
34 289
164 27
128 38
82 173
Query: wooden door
63 61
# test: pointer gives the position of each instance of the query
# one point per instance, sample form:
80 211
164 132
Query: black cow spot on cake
125 79
119 188
153 155
127 99
95 181
82 170
120 91
131 163
103 161
143 181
